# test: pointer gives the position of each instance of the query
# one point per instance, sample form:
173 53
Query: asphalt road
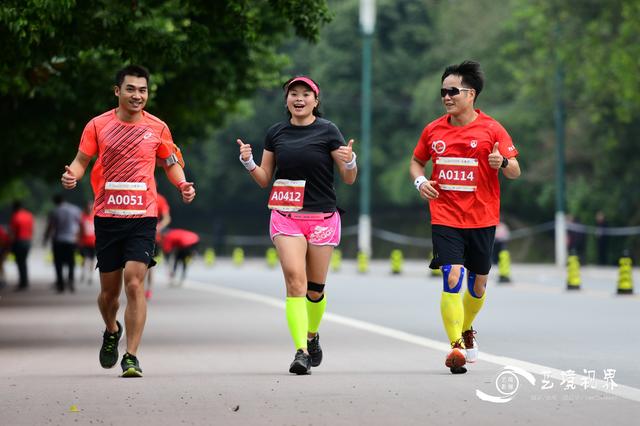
217 350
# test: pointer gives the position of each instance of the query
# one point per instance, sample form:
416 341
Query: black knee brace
311 286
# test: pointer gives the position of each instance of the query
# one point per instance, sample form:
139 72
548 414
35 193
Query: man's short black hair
58 199
472 76
134 70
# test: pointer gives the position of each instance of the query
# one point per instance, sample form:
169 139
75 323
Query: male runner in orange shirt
467 148
127 141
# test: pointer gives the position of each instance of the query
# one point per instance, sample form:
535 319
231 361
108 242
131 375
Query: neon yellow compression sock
297 319
452 313
472 306
315 311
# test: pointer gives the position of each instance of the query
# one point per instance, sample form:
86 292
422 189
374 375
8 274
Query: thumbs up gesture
68 179
345 153
245 150
495 158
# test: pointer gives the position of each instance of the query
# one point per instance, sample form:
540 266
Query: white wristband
419 181
249 164
351 164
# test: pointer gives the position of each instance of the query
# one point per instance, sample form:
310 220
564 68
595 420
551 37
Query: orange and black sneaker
470 345
455 359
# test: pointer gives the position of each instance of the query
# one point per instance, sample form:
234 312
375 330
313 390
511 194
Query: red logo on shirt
438 146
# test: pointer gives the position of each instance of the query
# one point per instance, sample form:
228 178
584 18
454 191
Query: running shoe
301 363
470 345
109 349
130 366
455 359
315 351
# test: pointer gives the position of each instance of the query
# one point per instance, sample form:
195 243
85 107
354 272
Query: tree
59 57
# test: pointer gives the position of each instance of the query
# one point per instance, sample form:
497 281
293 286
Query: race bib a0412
287 195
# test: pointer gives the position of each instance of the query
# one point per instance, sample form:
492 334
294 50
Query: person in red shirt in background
87 243
21 233
182 244
468 149
5 247
164 219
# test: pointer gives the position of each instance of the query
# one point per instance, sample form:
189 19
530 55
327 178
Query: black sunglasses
452 91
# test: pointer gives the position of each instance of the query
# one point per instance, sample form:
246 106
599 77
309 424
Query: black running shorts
120 240
460 246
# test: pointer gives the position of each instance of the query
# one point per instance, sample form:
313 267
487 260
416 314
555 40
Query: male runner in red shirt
127 141
467 149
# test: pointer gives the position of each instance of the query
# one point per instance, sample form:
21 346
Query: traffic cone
209 257
238 256
573 273
625 276
336 260
397 260
363 262
504 266
272 257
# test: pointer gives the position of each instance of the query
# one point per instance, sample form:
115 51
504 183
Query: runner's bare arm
74 172
175 174
425 187
345 158
263 173
512 171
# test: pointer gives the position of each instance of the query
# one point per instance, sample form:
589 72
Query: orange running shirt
469 188
122 177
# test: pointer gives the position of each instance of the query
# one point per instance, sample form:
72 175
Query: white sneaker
470 345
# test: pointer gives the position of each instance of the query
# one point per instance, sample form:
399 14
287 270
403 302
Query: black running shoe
301 363
315 351
130 366
109 349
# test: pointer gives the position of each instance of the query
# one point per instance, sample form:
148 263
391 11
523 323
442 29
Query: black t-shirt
304 153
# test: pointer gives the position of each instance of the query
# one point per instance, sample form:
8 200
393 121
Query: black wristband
505 162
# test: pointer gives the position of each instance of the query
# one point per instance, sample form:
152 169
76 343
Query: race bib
457 174
125 198
287 195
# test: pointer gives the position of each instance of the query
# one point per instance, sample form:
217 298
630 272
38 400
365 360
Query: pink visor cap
308 82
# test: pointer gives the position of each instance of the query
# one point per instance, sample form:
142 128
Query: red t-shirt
87 231
21 225
469 188
178 239
122 177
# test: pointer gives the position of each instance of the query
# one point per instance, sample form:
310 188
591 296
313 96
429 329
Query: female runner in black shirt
305 223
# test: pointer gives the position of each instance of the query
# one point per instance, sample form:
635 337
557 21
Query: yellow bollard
78 259
48 257
625 276
363 262
159 258
336 260
397 260
238 256
573 273
434 272
272 257
11 257
504 266
209 257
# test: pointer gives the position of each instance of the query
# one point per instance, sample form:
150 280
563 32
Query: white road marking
621 391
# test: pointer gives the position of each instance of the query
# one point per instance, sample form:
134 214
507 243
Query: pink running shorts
320 229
